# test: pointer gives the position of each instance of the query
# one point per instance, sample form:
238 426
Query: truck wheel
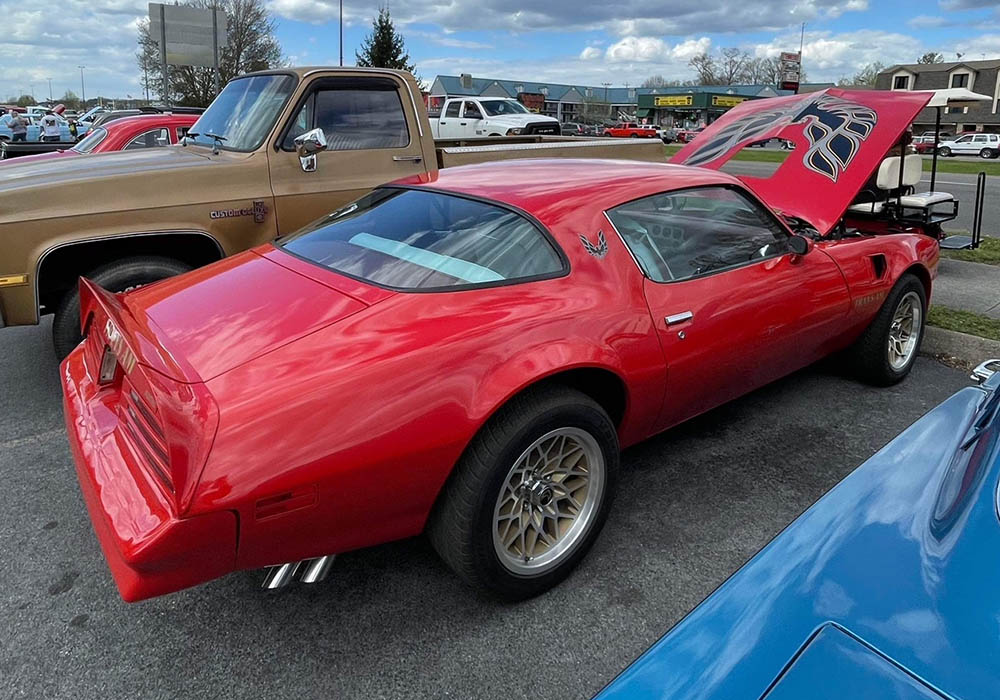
885 352
119 276
530 495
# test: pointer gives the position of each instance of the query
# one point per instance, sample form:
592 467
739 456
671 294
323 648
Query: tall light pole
83 89
50 88
341 33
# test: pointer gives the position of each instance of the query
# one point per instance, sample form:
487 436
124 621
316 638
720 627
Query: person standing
50 127
18 127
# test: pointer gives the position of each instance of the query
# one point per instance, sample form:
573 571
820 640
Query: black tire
986 153
944 151
115 277
871 351
462 524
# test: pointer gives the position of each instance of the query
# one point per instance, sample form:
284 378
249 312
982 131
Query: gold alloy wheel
548 501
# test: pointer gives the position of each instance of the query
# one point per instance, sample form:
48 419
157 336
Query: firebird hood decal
840 138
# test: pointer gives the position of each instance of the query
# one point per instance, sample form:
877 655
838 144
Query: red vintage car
143 131
465 354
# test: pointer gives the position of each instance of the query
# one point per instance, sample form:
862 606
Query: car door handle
407 159
674 319
462 123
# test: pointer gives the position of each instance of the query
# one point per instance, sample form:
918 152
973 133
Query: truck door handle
411 159
674 319
462 123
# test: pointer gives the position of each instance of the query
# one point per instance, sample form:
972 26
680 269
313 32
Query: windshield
495 108
412 239
244 112
90 141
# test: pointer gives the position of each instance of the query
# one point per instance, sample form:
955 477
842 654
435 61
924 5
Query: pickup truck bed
30 148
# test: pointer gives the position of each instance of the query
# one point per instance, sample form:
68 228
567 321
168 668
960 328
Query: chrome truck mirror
307 146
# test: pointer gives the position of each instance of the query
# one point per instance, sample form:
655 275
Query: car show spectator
50 127
18 126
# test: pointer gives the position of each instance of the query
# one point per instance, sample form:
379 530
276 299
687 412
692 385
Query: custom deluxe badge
258 210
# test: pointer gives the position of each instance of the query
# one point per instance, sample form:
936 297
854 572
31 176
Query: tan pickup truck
274 151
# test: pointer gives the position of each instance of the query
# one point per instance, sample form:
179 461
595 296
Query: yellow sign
13 280
673 101
726 101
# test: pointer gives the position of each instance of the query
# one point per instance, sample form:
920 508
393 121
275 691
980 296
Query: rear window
421 240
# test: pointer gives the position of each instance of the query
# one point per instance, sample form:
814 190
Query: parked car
976 144
34 128
686 135
135 217
631 130
577 129
470 117
882 589
111 115
501 330
130 133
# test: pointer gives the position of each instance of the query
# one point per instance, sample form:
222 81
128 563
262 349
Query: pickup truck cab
471 117
274 151
632 130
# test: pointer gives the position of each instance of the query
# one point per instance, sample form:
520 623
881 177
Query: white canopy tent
949 97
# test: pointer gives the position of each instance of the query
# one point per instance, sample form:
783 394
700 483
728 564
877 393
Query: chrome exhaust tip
307 571
317 569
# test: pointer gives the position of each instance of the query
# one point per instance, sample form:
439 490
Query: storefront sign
726 100
673 101
791 70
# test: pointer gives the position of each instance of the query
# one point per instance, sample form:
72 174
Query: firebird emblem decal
599 250
835 128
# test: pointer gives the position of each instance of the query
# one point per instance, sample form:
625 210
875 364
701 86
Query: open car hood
840 138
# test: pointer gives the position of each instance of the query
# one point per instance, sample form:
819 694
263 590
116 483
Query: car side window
149 139
452 110
691 233
472 111
353 115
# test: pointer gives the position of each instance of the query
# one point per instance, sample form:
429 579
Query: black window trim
317 84
723 185
546 234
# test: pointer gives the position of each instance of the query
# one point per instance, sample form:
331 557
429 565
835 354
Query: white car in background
471 117
974 144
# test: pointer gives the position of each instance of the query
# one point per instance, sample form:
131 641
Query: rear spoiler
182 411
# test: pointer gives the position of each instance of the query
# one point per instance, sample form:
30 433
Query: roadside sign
791 71
673 101
188 33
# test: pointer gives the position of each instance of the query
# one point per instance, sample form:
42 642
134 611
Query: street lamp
83 89
50 88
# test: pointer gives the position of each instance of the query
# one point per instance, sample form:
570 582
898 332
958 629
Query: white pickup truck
469 117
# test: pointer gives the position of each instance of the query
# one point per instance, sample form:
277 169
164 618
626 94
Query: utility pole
83 89
342 33
215 45
165 92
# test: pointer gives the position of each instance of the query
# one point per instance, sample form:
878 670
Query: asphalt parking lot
392 622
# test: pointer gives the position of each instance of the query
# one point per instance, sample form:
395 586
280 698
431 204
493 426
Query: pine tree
384 48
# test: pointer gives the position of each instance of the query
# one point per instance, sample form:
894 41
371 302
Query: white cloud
648 49
928 21
590 53
827 56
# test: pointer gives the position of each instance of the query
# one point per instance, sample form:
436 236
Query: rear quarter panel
360 424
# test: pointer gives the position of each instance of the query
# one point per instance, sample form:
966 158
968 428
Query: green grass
988 252
945 165
964 322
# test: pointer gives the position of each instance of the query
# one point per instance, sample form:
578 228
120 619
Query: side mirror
307 146
799 245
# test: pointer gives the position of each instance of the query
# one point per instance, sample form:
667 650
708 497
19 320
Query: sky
572 41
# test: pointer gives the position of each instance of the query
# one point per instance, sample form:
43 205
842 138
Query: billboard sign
790 71
726 100
188 33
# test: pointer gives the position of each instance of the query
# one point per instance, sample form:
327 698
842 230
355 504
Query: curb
968 350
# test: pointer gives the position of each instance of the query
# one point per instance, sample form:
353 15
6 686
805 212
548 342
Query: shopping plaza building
686 105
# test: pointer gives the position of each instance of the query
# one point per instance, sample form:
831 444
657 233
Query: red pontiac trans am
466 354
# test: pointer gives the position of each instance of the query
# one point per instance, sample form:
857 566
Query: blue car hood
887 587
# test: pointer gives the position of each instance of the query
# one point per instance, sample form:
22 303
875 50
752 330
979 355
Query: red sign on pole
790 71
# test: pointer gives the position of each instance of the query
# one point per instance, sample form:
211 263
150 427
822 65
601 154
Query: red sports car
143 131
466 354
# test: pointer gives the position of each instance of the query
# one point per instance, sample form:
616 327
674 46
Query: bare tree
732 65
763 70
705 68
252 46
866 76
931 57
657 81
